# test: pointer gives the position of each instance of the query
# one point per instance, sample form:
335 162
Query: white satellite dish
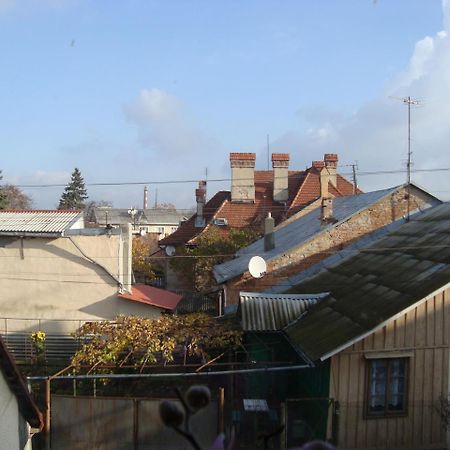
142 233
257 267
170 250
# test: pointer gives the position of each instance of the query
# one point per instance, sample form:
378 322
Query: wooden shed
385 328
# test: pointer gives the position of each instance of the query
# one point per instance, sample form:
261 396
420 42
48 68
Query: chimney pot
280 165
200 196
327 210
269 236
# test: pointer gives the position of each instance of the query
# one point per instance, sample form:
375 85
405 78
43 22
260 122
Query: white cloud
376 134
165 128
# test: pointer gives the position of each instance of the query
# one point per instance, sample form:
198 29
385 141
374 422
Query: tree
138 341
141 251
3 202
195 264
15 198
75 193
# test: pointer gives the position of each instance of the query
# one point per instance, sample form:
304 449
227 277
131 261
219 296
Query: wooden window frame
386 413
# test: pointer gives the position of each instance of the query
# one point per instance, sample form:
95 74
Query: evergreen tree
75 193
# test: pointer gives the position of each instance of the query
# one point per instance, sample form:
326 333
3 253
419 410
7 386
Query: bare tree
15 198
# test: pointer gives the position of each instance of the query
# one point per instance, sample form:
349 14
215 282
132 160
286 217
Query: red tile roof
152 296
303 187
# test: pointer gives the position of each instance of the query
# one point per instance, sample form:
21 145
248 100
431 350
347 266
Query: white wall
13 428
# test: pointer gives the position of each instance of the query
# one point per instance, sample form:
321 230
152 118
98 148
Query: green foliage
74 193
138 341
195 264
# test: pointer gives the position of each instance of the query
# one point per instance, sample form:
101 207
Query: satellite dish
257 267
170 250
142 232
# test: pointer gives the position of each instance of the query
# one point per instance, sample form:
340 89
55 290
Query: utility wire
219 180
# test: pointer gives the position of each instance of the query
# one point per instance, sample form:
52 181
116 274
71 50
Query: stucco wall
51 280
385 211
13 428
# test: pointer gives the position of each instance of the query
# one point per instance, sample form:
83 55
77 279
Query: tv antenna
354 167
414 102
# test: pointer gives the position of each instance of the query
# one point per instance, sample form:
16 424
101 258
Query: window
387 387
160 230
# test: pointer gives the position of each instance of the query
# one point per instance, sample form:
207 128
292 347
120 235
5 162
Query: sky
152 92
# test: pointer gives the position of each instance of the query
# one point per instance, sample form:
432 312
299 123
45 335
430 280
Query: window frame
386 413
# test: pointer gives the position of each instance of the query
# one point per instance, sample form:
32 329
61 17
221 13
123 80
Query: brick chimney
242 177
269 237
328 172
331 160
200 196
280 165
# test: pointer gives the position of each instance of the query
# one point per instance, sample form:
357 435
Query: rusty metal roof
39 222
272 312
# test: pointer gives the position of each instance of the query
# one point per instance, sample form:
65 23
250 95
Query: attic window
220 221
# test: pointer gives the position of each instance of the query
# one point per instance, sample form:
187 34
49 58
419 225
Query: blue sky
146 90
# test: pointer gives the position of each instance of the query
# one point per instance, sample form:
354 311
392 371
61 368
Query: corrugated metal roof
371 287
266 312
117 216
39 222
297 232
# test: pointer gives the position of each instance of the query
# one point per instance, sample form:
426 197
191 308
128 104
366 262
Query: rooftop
369 288
298 232
39 222
160 298
303 187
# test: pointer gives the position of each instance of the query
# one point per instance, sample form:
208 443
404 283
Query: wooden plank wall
426 331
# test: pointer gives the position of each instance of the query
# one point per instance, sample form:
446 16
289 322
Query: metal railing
59 345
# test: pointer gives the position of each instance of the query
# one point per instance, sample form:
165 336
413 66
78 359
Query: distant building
160 222
255 193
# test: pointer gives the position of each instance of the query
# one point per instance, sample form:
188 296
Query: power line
221 180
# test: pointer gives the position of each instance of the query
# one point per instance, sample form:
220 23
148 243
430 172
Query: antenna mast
268 154
408 101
